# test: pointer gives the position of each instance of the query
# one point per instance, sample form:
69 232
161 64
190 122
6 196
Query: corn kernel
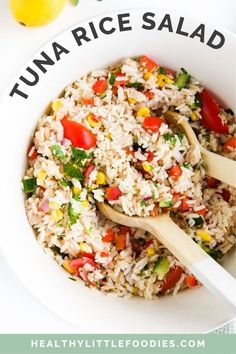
146 166
54 205
143 112
85 248
66 266
85 203
56 215
203 235
101 178
56 105
93 121
194 116
42 175
109 136
132 100
147 75
76 190
163 79
150 251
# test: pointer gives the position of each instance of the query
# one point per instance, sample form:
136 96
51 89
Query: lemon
36 12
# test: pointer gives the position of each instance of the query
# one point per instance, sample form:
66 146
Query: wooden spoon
198 262
217 166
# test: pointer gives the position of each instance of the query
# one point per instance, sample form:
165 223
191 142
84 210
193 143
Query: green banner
117 343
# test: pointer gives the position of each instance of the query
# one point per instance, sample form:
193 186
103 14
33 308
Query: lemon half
36 12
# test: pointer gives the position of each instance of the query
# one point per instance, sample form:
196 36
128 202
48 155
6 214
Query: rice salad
107 139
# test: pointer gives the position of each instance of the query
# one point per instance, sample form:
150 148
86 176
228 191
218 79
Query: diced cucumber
162 267
182 79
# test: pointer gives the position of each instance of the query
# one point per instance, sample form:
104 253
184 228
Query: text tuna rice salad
107 139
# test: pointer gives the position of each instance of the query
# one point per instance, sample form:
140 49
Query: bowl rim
5 93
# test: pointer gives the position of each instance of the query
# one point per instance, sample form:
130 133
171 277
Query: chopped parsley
170 138
186 165
73 171
57 151
137 85
198 221
112 79
161 70
166 203
143 203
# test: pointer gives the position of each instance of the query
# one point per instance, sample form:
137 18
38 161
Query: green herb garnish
166 203
197 102
57 151
138 85
65 183
161 70
170 138
72 278
79 155
72 215
73 171
143 203
112 79
198 221
180 136
29 185
186 165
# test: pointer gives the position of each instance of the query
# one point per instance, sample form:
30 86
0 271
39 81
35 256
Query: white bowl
190 311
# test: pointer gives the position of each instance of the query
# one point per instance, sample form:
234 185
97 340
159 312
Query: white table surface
20 312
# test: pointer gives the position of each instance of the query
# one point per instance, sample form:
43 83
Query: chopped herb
229 111
103 95
182 79
213 253
166 203
72 278
79 155
57 151
65 183
198 221
29 184
73 171
112 79
72 215
197 102
143 203
56 250
138 85
161 70
180 136
170 138
136 146
186 165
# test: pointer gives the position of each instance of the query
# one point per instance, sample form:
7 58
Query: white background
19 311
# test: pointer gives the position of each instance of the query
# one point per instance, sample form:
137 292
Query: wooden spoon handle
219 167
208 271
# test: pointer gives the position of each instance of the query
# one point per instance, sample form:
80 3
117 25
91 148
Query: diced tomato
109 235
211 182
87 101
120 242
191 281
78 263
230 145
202 211
88 255
148 243
79 135
87 172
152 123
119 81
210 112
113 193
32 153
115 90
148 63
150 156
175 172
125 230
172 277
129 151
104 254
170 71
185 206
226 195
100 86
149 94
